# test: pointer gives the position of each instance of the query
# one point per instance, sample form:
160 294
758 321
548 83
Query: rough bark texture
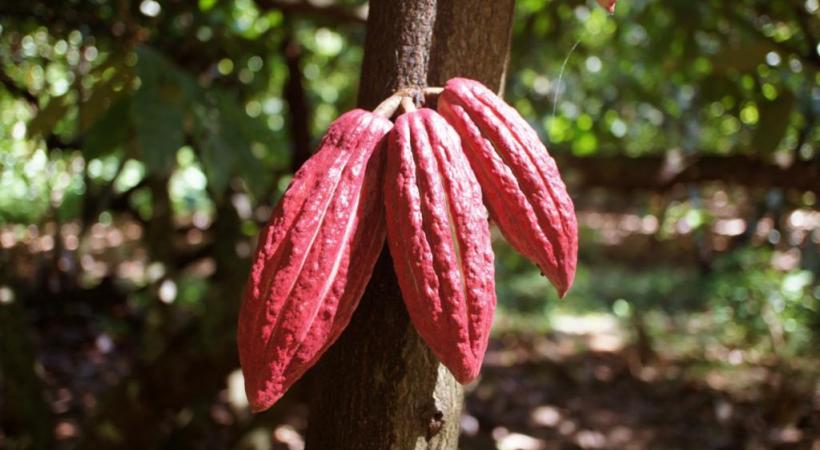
397 48
471 40
379 386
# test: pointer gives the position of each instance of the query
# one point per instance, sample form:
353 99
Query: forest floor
584 389
588 381
582 385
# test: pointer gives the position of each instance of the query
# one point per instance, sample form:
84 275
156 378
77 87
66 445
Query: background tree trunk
380 386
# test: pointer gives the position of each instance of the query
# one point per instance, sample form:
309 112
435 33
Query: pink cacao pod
608 5
314 258
439 239
522 187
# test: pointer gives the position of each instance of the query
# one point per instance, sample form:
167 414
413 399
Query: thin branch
803 21
811 58
658 173
12 87
334 12
296 99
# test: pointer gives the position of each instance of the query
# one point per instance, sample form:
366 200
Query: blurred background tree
143 144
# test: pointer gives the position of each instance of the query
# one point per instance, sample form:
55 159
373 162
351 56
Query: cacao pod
314 258
439 239
522 187
608 5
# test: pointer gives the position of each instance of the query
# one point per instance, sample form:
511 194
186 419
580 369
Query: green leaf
157 111
743 58
251 130
206 5
225 134
773 123
109 131
585 145
106 92
218 157
45 121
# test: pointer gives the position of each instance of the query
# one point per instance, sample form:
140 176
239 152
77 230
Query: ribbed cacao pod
522 187
439 239
314 258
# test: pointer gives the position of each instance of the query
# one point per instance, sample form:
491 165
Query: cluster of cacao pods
429 182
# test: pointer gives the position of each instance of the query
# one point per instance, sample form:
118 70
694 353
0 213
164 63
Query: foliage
753 301
143 144
707 77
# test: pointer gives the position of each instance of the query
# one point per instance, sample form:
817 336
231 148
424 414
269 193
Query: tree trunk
296 99
379 386
25 416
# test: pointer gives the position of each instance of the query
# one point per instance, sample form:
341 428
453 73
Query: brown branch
804 20
657 174
809 58
296 99
306 7
15 90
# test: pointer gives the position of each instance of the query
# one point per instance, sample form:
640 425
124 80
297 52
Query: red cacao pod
608 5
314 258
439 239
522 187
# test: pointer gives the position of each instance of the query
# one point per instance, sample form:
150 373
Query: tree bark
296 99
25 416
472 39
379 386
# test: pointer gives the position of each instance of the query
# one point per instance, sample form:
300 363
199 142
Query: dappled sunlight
144 145
596 400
